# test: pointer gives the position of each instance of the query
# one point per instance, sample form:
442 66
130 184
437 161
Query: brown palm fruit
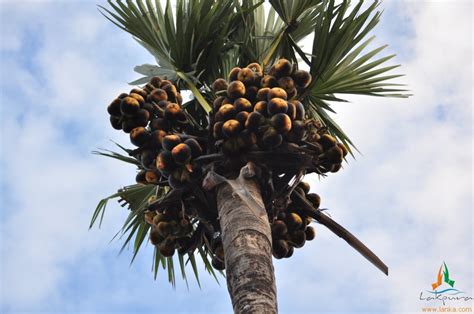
291 112
314 199
232 145
181 154
292 93
139 91
262 93
176 183
254 121
152 177
310 233
246 76
336 167
343 148
165 163
164 228
280 249
170 141
225 112
217 130
279 229
231 128
269 81
148 216
129 106
334 155
291 250
282 68
139 136
219 84
149 87
167 247
286 83
150 108
155 237
247 138
261 107
147 158
271 138
196 149
251 93
217 103
242 117
122 95
155 81
140 178
173 112
158 95
304 186
171 91
256 68
139 98
293 221
162 104
236 89
116 122
217 263
281 122
302 78
277 105
157 218
164 83
297 132
141 117
233 74
327 141
114 108
242 104
298 238
299 109
128 125
160 124
277 92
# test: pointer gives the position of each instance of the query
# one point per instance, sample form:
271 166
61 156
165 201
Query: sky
408 195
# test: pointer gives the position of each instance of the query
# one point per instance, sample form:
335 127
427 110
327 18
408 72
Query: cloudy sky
408 196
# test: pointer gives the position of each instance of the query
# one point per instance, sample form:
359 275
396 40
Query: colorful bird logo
439 280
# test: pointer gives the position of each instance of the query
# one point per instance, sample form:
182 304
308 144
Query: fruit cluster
328 152
257 110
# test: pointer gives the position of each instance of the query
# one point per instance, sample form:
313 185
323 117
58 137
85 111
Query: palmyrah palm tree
220 172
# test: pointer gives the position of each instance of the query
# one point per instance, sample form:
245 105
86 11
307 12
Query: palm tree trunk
246 237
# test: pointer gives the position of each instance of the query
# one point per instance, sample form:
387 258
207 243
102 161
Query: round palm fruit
155 81
298 238
122 95
336 167
232 145
236 89
176 183
248 138
158 218
162 104
225 112
147 158
291 111
304 186
251 93
172 111
149 107
310 233
277 92
302 78
299 109
279 229
262 93
129 106
261 107
160 124
141 117
217 103
343 148
327 141
219 84
280 249
256 68
292 93
139 98
277 105
164 228
271 138
158 95
231 128
128 125
167 248
242 117
282 68
246 76
233 74
164 83
171 91
291 250
254 120
269 81
242 104
139 136
314 199
116 122
219 251
140 178
181 154
139 91
155 237
294 221
217 263
152 177
334 155
170 141
114 108
297 132
156 138
281 122
196 149
217 130
286 83
149 87
165 163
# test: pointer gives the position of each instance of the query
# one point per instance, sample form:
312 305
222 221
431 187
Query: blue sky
408 196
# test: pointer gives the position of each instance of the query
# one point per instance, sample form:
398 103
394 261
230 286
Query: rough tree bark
246 237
